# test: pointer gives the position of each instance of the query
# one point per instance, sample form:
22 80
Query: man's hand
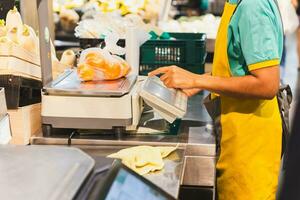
295 3
191 92
175 77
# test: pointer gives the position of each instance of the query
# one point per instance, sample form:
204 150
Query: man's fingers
164 77
167 83
161 70
188 93
191 92
185 92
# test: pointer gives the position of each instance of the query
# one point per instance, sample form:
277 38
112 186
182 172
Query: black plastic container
95 42
188 51
5 6
20 91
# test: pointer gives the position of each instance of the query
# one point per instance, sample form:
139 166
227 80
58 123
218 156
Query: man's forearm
240 87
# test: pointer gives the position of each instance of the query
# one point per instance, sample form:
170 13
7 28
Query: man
245 78
296 5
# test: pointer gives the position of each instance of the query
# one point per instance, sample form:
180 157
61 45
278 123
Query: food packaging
98 64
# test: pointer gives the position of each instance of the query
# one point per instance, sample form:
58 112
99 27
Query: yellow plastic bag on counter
144 159
98 64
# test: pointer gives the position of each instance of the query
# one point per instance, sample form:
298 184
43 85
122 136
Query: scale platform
69 84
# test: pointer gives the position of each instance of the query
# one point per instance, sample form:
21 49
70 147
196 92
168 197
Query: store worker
245 80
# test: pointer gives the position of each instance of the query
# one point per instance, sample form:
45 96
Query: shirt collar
233 1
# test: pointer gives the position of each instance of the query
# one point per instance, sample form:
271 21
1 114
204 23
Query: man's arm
295 3
260 84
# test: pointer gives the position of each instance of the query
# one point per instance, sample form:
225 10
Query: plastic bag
97 25
111 40
98 64
88 28
289 17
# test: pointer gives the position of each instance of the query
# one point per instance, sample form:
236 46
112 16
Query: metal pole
44 14
29 15
165 9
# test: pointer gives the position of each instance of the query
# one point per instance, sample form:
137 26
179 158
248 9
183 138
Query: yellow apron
250 153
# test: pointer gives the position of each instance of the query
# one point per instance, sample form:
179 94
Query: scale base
150 124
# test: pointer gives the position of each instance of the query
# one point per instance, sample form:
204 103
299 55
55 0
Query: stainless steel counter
168 179
195 161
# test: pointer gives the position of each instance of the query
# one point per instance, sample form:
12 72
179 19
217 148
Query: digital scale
69 103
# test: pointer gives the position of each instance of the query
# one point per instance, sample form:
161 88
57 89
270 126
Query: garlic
3 29
32 31
12 34
4 40
13 19
68 58
27 39
35 38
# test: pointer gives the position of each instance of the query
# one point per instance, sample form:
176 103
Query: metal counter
194 163
168 179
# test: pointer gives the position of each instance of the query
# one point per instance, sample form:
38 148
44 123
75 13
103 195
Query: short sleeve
260 35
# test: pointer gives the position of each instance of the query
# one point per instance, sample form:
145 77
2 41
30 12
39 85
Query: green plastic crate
187 51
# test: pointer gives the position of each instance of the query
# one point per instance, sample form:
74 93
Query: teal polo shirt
255 36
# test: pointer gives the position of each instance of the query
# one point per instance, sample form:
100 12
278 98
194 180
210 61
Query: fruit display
68 13
67 4
208 24
14 31
23 38
102 25
147 9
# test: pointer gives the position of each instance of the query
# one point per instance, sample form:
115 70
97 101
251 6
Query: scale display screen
123 183
128 187
153 86
169 103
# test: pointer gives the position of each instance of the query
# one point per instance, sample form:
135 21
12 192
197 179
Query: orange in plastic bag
98 64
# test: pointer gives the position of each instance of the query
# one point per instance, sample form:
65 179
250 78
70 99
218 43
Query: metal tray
42 172
69 84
